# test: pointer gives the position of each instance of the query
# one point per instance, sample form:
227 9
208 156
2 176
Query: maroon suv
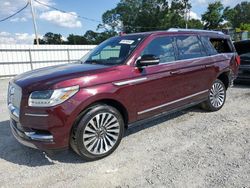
87 105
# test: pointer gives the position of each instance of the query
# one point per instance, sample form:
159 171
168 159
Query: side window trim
202 46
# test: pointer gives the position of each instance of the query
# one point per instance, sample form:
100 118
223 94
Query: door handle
208 66
175 72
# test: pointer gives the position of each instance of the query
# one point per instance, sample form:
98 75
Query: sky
19 29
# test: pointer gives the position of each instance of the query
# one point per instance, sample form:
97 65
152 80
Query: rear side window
161 47
189 47
208 46
221 45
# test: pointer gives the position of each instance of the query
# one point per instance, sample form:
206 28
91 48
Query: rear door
171 84
195 60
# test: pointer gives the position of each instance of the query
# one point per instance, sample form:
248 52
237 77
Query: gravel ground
191 148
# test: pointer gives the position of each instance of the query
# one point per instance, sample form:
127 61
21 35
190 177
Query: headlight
50 98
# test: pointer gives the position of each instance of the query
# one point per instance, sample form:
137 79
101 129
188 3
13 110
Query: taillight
237 59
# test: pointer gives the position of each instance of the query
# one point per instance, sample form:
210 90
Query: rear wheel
98 132
216 97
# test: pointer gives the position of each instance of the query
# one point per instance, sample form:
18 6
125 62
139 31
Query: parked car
89 104
243 49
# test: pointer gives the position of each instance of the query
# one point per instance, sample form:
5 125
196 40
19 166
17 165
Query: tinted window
221 45
162 48
189 47
208 46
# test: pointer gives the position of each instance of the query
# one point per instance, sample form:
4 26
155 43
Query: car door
170 84
194 61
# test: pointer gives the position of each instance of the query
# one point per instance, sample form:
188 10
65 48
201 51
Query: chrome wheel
217 95
101 133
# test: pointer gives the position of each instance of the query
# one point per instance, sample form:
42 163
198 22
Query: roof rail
194 30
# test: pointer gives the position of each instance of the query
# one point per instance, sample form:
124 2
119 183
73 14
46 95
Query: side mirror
147 60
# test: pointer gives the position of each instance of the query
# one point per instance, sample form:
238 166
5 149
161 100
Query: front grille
14 95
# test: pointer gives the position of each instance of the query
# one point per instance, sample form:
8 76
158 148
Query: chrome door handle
175 72
208 66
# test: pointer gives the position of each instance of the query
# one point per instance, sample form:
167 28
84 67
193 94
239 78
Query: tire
216 97
98 132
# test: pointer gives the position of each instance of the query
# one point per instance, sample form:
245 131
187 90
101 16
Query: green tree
195 24
76 40
146 15
176 14
245 27
52 38
96 38
228 15
238 15
41 41
213 17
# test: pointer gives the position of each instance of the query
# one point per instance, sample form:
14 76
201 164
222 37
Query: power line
63 11
4 19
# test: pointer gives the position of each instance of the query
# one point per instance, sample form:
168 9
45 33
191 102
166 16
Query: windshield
113 51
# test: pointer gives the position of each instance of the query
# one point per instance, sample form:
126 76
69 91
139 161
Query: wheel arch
116 104
111 102
224 77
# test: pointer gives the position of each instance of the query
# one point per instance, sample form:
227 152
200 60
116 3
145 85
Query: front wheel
216 97
98 132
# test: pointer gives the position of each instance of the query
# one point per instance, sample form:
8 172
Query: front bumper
20 136
32 139
42 128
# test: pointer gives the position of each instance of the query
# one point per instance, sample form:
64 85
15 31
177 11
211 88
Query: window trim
184 60
203 46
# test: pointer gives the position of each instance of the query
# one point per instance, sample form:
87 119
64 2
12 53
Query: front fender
122 95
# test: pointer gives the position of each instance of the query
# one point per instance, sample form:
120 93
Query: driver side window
161 47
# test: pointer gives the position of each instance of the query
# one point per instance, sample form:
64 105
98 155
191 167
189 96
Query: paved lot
191 148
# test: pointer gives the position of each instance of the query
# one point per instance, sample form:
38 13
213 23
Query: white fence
16 59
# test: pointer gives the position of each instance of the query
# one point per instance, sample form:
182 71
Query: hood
49 76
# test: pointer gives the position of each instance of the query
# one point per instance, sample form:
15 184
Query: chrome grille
14 96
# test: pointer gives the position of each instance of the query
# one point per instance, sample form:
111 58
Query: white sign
127 42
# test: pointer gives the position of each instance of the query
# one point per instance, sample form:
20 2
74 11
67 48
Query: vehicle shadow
12 151
154 121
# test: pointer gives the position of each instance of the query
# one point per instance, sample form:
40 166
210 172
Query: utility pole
186 13
34 20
